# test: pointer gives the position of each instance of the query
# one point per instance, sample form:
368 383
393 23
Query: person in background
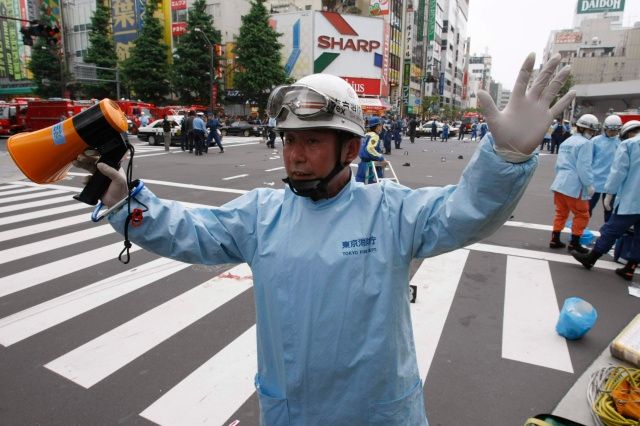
396 128
547 137
604 148
189 130
573 184
213 124
434 129
331 257
199 131
166 129
461 131
484 128
386 135
624 181
271 133
144 119
369 152
474 131
412 129
445 132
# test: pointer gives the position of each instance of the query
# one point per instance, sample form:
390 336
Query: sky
510 29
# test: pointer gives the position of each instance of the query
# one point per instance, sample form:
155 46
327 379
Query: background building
479 77
604 58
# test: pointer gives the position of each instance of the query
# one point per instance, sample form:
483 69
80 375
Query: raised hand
521 125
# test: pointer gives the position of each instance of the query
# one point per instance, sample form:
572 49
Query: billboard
296 37
124 28
599 6
564 37
378 7
348 46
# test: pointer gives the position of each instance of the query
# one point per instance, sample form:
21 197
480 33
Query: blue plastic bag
576 318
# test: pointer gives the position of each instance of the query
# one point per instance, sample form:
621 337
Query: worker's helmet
629 126
588 121
612 122
373 122
317 101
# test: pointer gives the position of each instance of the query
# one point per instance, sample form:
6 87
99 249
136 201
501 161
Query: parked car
241 128
155 135
425 129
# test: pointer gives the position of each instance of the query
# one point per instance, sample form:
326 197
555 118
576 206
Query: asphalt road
85 339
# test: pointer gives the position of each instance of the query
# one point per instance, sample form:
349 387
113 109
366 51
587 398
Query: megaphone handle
99 183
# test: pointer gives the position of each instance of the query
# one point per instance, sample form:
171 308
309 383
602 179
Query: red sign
214 94
364 86
178 28
178 4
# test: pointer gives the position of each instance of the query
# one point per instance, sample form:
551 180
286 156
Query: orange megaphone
45 156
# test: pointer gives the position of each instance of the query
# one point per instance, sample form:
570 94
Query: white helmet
612 122
629 126
588 121
317 101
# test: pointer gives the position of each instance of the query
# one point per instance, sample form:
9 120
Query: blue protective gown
604 149
624 179
370 150
334 335
573 168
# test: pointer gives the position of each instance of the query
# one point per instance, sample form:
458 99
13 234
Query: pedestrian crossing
214 391
143 148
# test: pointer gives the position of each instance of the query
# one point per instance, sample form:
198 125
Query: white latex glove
591 190
117 189
518 129
607 202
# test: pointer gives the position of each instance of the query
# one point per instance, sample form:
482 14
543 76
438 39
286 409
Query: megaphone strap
98 215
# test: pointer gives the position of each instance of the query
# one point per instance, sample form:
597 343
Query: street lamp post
211 50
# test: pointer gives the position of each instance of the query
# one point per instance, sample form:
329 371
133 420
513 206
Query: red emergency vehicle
12 117
133 110
628 115
45 113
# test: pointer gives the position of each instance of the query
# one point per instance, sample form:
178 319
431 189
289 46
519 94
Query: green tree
192 58
428 105
48 69
258 51
146 70
102 53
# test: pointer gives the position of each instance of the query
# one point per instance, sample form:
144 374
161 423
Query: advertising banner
178 4
386 44
11 66
599 6
364 86
348 45
124 29
431 20
296 37
568 37
178 28
378 7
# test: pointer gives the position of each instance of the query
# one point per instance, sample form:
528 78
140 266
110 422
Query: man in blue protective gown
369 152
331 257
604 148
623 181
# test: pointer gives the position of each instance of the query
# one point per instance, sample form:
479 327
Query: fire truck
629 115
133 110
47 112
13 115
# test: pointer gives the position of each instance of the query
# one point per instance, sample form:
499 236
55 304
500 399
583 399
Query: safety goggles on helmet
305 102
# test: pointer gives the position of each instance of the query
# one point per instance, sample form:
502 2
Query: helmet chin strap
316 189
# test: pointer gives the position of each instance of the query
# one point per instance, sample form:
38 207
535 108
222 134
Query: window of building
307 7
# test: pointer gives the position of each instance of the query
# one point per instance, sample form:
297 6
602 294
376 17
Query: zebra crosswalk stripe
214 391
11 234
22 217
40 203
31 277
99 358
22 190
5 200
4 187
54 243
530 313
36 319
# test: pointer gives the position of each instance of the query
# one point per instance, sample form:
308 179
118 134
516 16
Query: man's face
612 133
309 154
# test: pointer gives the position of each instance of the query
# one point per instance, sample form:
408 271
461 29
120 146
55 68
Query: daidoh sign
599 6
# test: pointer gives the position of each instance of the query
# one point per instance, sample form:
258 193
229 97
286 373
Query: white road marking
32 196
28 278
274 169
52 186
8 187
540 255
43 227
54 243
41 203
42 213
20 191
437 279
214 391
530 315
104 355
236 176
29 322
541 227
